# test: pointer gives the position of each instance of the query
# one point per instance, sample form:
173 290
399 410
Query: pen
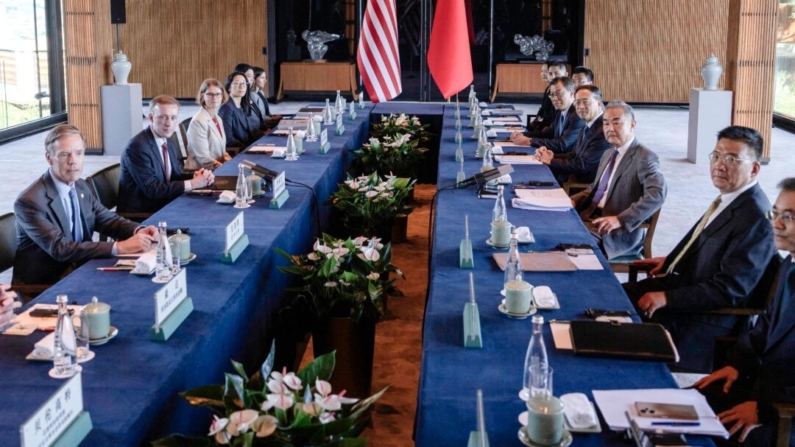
675 424
114 269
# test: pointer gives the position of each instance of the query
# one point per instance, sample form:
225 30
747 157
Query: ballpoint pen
675 424
114 269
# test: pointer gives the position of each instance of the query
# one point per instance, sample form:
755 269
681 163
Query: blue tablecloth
451 374
131 387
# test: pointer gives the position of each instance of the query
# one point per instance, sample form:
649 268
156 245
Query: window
784 95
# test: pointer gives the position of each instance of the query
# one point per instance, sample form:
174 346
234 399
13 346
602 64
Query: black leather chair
8 253
105 185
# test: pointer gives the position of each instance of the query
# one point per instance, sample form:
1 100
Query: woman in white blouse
206 137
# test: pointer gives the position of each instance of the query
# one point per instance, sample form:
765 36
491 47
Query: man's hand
656 264
727 373
651 301
606 224
519 139
201 178
140 242
151 230
276 117
744 416
544 155
7 304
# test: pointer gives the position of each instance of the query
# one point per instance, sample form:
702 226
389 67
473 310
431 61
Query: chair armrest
785 413
737 311
784 410
27 292
136 217
633 270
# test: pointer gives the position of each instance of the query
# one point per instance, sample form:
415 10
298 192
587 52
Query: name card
324 137
170 296
47 424
339 120
278 186
234 230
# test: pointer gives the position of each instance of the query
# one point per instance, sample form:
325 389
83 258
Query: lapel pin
82 196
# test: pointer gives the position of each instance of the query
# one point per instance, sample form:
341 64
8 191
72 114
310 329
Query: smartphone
540 183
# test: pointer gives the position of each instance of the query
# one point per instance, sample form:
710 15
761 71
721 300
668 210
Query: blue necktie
601 188
559 129
584 134
77 225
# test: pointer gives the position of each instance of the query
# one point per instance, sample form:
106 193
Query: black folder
642 341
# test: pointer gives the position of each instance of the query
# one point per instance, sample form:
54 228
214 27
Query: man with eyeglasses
57 215
721 261
542 123
566 124
761 366
151 175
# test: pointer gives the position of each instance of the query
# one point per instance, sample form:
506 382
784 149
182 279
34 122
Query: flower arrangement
369 204
397 153
343 278
278 409
400 124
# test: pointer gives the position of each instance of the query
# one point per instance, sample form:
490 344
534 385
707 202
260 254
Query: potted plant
343 286
401 123
278 409
396 154
368 204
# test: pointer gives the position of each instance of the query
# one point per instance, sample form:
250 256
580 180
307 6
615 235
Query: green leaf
267 365
205 396
234 392
320 368
240 370
183 441
328 267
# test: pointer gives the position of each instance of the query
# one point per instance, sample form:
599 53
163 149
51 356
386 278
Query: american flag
378 58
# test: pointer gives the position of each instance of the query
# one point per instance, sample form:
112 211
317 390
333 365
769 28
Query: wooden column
88 46
751 64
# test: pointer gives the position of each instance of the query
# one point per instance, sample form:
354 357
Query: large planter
354 343
400 229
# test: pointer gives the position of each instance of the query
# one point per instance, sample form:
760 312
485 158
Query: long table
130 388
451 374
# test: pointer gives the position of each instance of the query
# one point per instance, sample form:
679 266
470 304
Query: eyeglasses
239 84
786 218
727 158
214 95
558 94
582 102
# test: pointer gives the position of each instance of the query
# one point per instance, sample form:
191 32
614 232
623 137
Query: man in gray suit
628 189
57 215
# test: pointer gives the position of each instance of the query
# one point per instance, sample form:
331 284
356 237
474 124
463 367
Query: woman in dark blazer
260 99
235 112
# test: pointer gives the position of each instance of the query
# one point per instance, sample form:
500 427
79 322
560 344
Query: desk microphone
266 173
481 178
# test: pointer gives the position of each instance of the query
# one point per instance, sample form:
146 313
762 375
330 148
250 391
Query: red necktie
218 126
166 165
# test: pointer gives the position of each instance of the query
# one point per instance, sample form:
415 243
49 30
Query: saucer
101 341
136 272
502 309
55 375
187 261
243 206
223 202
564 442
499 247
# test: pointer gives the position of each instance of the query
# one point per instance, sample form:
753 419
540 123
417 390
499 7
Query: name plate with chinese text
280 193
324 144
236 240
61 420
172 306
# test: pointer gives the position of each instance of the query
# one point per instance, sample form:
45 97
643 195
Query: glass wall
784 96
27 62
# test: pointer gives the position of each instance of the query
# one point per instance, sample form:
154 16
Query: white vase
121 67
711 72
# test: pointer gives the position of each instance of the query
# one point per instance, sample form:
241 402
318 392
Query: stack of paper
517 159
542 199
502 148
614 404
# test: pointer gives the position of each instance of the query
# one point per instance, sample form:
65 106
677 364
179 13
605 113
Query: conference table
451 374
130 388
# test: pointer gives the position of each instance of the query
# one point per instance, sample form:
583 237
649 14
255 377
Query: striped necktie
166 164
696 233
77 222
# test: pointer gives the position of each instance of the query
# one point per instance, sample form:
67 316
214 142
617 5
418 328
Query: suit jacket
206 143
583 160
236 125
766 354
142 182
637 191
45 248
572 124
265 109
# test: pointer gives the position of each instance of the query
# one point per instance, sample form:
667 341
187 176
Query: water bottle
488 160
478 125
291 154
500 212
483 145
164 261
536 354
328 119
459 152
338 104
461 176
65 356
241 189
361 100
513 266
310 129
175 254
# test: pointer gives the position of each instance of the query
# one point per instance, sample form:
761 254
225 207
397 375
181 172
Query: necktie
166 164
787 295
701 224
77 223
584 134
601 188
559 128
218 126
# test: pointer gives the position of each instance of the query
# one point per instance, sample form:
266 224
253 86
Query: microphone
264 172
481 178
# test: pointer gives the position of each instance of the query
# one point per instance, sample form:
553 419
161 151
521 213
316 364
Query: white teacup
501 231
184 245
518 296
98 316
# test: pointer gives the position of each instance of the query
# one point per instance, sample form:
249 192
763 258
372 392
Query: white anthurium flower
371 194
362 178
374 276
330 284
283 401
353 184
340 252
405 138
359 241
376 242
374 142
217 429
312 408
312 256
239 421
390 176
321 247
289 379
322 387
380 188
384 118
325 418
386 195
264 426
370 254
363 189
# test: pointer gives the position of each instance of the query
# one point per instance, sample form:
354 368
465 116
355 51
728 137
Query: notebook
642 341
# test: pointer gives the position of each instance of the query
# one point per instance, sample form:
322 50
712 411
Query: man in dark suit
761 367
582 75
542 124
583 160
721 260
57 215
566 124
628 188
150 173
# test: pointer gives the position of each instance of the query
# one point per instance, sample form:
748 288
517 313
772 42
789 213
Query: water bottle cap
538 319
61 299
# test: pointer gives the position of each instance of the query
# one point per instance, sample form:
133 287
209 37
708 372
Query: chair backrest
181 145
650 226
8 241
105 184
183 129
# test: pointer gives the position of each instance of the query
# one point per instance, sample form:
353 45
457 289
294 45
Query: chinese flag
449 59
